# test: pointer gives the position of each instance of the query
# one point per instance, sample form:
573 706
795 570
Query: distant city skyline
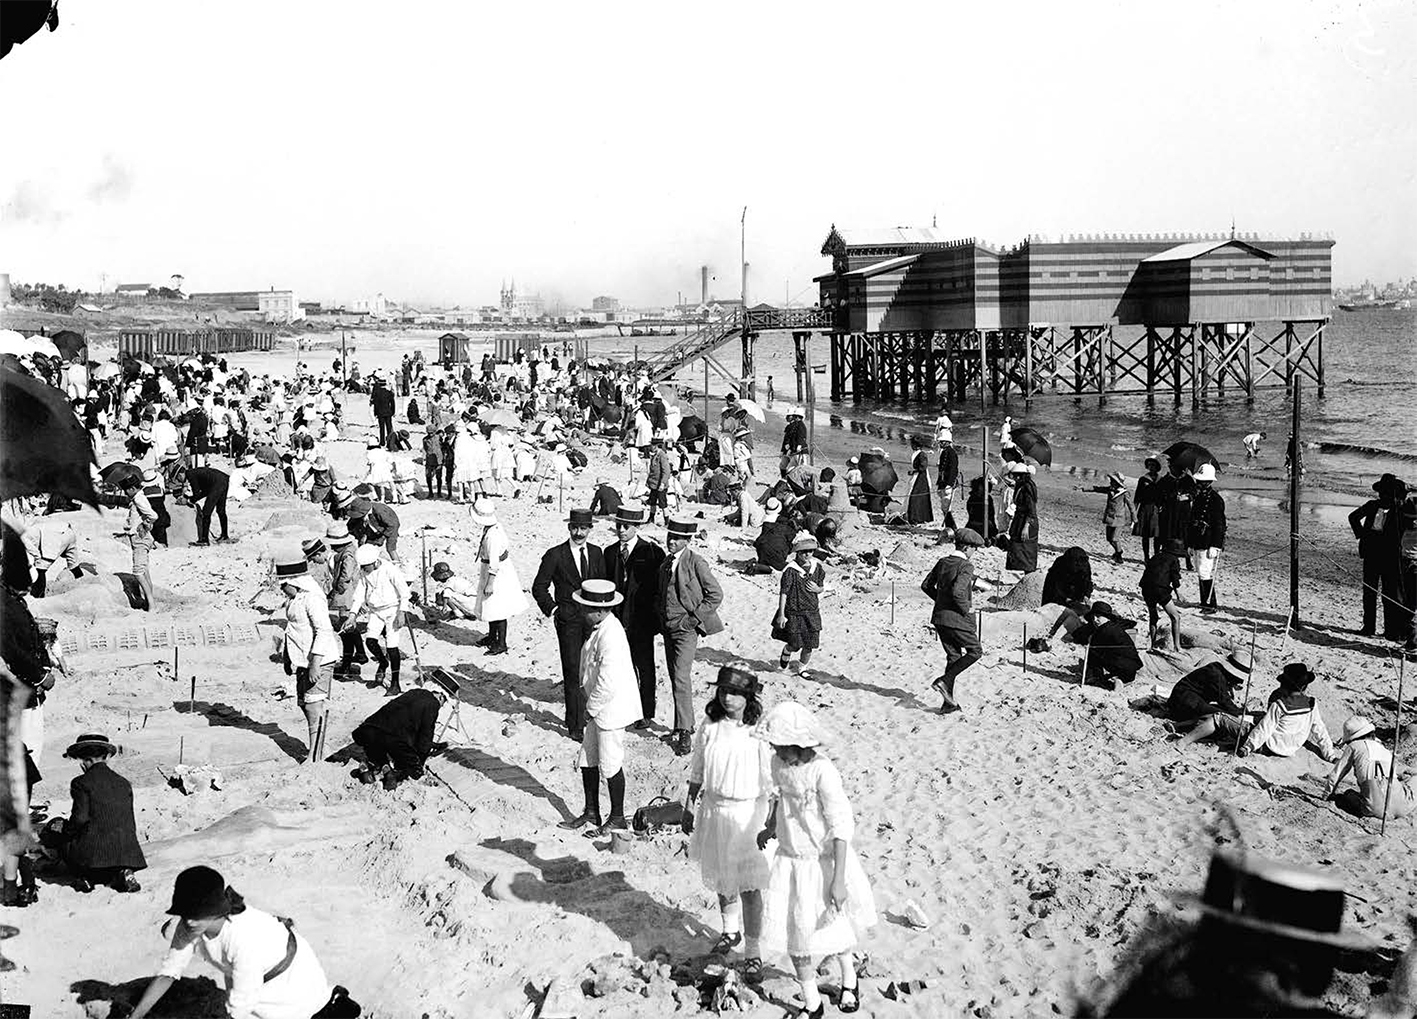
376 155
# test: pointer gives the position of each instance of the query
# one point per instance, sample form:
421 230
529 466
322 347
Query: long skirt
798 917
725 845
918 508
1022 555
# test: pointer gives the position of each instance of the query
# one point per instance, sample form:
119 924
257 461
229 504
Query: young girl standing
798 622
733 772
819 901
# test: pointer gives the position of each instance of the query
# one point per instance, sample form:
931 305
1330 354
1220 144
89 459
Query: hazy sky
428 150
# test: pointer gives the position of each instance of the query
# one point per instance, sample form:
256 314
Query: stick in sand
181 748
1245 701
1025 649
1086 654
892 602
192 701
1396 741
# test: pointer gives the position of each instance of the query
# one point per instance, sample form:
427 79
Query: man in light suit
563 568
689 597
633 564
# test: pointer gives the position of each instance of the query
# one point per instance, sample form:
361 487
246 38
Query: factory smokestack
703 284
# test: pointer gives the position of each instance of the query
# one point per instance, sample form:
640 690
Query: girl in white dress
499 589
819 901
733 772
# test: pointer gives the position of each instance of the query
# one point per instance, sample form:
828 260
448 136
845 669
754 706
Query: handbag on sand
660 812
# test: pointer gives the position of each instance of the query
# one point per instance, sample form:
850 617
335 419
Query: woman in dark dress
1147 499
977 504
1069 580
918 507
1175 491
1022 553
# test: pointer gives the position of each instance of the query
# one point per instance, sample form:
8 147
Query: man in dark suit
398 738
633 564
689 597
381 403
100 837
563 567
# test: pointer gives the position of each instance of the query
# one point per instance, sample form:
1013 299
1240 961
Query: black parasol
71 344
1189 455
878 475
1032 444
43 447
116 473
692 428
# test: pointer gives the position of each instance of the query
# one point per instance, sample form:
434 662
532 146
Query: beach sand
1037 829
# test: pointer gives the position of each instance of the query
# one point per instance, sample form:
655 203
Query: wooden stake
1396 741
1294 486
1086 655
423 536
984 477
1025 649
1245 701
892 602
192 702
174 664
181 748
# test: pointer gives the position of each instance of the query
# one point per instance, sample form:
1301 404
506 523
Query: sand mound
1026 594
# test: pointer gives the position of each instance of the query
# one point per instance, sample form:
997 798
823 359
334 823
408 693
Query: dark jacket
381 400
948 467
1174 494
101 831
1112 648
638 581
206 482
379 522
559 577
1160 576
1207 527
774 544
1203 691
432 450
951 586
411 716
1069 579
1024 526
794 437
605 502
1379 541
689 595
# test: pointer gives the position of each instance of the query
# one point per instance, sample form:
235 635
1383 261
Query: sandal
849 1001
726 943
815 1013
753 970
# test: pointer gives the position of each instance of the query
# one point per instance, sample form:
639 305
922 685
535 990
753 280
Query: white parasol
754 411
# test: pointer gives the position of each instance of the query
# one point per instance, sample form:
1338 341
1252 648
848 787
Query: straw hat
337 534
366 555
91 741
790 724
1239 664
598 594
1117 478
772 510
631 513
682 529
483 512
804 543
313 547
1357 727
289 568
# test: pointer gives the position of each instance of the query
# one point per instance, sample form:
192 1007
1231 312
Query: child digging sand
1160 586
798 622
819 901
733 771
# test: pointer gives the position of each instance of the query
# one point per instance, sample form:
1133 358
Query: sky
430 151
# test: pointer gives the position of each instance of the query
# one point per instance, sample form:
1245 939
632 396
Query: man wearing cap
310 648
563 568
633 563
379 603
1291 721
659 478
1205 698
208 486
456 594
611 703
99 839
374 523
794 441
689 597
950 585
1205 534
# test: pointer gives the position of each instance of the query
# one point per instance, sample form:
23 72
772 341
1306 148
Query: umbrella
499 416
118 472
877 473
43 447
752 409
106 371
692 428
43 345
71 344
1033 445
1189 455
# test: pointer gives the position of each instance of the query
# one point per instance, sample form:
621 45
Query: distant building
520 306
279 306
375 306
236 300
310 307
611 304
133 289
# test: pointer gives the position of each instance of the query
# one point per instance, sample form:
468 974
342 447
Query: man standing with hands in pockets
689 597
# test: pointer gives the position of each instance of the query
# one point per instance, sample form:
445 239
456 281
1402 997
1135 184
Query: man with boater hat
689 597
563 569
633 564
611 703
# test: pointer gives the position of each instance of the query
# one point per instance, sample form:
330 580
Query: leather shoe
587 819
615 823
680 743
577 734
500 649
127 882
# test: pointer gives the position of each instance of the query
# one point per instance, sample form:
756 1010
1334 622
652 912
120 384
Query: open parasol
692 428
752 410
877 473
43 447
106 370
1032 445
1189 455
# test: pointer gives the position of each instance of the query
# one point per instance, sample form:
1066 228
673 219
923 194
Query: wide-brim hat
1239 664
804 543
1384 483
149 476
91 741
442 571
483 512
199 892
288 569
583 517
313 547
1280 899
1356 727
1116 477
1296 676
736 680
630 513
790 724
366 555
682 528
598 594
338 534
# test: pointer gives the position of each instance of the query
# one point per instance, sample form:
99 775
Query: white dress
734 768
507 598
462 457
798 916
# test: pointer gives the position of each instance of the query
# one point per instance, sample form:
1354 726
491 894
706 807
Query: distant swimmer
1252 445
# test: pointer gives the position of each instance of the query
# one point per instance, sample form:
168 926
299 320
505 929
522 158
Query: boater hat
682 529
581 517
337 534
91 741
1239 664
312 547
598 594
736 680
288 569
630 513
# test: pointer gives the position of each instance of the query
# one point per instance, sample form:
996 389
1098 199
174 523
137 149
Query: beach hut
452 348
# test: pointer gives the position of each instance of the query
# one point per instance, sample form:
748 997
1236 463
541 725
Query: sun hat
804 543
442 571
1274 898
598 594
366 555
91 741
682 528
1239 664
483 512
1205 472
199 892
1117 478
581 518
343 496
150 476
789 724
772 509
313 547
338 534
631 513
1356 727
1296 676
736 680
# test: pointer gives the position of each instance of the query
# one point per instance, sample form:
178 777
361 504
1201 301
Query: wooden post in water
1294 492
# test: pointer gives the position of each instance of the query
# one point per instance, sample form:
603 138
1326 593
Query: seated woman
1371 764
99 841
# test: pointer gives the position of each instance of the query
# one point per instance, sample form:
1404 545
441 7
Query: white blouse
812 807
729 761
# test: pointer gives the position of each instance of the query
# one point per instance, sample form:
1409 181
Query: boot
616 783
590 817
126 882
11 893
394 688
1207 596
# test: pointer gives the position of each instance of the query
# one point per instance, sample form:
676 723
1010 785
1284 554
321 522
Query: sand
1036 829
